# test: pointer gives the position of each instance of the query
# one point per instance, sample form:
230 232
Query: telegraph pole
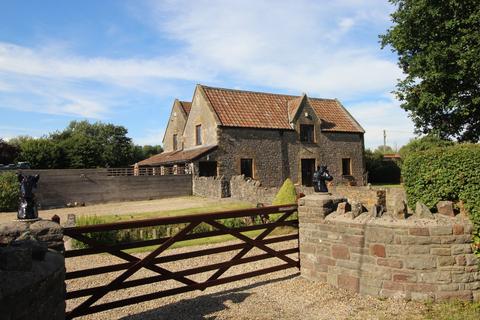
384 140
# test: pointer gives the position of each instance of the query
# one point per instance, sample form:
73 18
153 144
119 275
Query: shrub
9 191
286 195
447 173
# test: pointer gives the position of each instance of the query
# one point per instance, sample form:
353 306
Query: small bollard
56 219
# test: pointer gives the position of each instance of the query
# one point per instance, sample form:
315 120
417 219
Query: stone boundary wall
57 188
365 195
251 190
32 275
211 187
417 259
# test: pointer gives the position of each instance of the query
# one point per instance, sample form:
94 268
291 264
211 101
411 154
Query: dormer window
198 134
307 133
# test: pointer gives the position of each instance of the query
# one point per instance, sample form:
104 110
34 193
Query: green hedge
448 173
9 191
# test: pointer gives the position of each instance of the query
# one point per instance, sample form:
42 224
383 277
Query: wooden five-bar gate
153 261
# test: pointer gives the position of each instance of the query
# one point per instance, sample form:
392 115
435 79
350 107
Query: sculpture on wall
319 178
27 208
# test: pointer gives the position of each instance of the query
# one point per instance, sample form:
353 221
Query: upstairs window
307 133
346 167
175 142
198 134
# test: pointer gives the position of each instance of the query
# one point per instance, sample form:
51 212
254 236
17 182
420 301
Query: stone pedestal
45 231
32 278
319 205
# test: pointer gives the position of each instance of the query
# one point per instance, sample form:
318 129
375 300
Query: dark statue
319 178
27 208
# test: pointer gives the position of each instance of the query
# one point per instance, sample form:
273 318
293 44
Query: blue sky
125 62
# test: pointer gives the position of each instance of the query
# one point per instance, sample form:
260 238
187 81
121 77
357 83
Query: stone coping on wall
421 259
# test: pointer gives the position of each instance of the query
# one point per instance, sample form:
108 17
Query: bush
447 173
286 195
9 191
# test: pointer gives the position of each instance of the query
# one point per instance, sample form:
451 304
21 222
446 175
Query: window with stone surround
175 142
346 167
207 168
307 133
198 134
246 167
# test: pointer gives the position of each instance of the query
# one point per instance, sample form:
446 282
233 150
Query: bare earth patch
121 208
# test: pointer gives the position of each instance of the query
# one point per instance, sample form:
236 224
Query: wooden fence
153 262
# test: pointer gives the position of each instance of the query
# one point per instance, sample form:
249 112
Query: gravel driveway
120 208
280 295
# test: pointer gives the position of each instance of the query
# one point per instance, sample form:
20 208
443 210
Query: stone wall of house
200 114
277 154
251 190
32 274
176 124
328 149
413 259
211 187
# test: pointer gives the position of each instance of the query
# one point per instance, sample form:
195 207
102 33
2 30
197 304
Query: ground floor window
207 168
346 167
246 167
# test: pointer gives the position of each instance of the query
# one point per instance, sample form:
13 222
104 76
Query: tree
41 153
8 152
384 150
438 44
90 145
424 143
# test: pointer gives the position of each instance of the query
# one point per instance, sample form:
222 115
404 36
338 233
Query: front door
308 168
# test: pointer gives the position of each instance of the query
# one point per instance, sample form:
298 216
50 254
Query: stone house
267 137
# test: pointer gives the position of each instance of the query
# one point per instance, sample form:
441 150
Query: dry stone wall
412 259
32 273
211 187
251 190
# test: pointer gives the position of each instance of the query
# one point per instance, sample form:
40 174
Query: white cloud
324 48
379 115
26 61
152 137
297 45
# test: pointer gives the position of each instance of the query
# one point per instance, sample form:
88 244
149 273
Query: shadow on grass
201 308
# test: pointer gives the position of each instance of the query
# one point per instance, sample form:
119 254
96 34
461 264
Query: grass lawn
225 206
169 213
454 310
387 185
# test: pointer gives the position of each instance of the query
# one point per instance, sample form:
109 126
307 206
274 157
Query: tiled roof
293 106
334 116
176 156
186 106
236 108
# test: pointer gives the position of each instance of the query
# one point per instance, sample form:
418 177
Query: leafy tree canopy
83 145
424 143
8 152
438 44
